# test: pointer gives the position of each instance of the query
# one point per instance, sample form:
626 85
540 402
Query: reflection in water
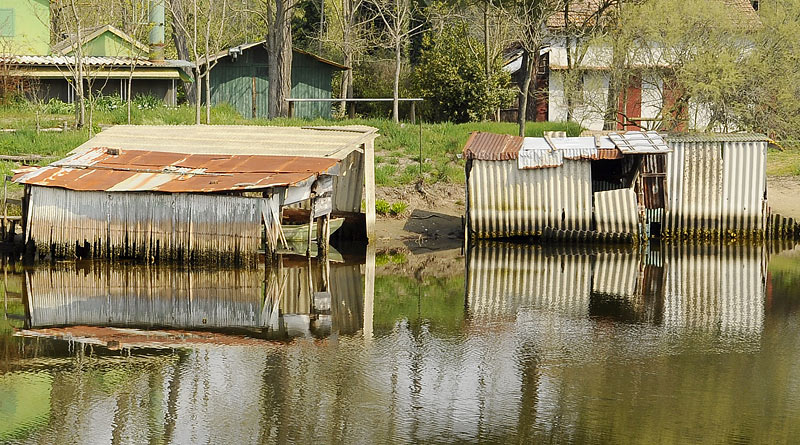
291 299
683 288
677 344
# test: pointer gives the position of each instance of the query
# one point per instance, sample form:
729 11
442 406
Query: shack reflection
293 298
682 288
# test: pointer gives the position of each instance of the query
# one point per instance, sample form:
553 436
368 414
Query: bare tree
185 21
216 12
530 21
348 31
180 39
135 23
397 17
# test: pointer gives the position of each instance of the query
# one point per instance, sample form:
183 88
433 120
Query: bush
55 106
108 103
452 79
382 207
147 102
398 208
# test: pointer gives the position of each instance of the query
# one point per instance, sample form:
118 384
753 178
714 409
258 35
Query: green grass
783 163
397 150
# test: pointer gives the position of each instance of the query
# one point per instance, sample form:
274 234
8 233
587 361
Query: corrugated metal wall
232 83
715 187
506 201
616 211
178 226
348 186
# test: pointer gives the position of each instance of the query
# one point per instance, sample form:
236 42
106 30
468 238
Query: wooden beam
369 187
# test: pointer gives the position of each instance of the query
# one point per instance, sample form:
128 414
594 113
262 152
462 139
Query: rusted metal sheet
492 147
716 186
505 201
102 169
616 211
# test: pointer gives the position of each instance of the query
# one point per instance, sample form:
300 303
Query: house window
6 23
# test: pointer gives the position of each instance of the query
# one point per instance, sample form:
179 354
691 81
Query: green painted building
25 27
240 79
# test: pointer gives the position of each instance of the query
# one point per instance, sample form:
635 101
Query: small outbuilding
239 77
191 193
618 186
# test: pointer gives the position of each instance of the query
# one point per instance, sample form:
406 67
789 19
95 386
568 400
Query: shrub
382 207
398 208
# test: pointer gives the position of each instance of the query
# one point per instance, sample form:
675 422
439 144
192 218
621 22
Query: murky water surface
506 344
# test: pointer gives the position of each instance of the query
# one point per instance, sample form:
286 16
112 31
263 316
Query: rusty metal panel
744 185
490 146
506 201
503 278
103 169
616 211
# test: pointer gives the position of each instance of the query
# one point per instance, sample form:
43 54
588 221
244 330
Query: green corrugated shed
242 82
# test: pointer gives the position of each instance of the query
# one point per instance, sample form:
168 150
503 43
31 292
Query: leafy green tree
452 79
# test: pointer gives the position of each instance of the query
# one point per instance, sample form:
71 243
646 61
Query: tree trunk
198 82
528 64
129 101
182 47
347 82
279 68
396 93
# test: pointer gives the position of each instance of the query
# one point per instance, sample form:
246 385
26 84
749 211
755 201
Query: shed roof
315 142
719 137
586 12
246 46
540 152
103 169
71 42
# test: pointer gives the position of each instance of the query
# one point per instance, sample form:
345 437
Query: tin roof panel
492 147
103 169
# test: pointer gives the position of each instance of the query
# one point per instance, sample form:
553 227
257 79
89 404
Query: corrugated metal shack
564 188
190 193
717 186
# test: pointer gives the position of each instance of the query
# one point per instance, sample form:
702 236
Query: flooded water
508 343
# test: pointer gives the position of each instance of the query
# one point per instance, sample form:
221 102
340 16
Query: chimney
156 37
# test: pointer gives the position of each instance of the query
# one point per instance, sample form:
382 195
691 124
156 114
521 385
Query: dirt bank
432 222
783 194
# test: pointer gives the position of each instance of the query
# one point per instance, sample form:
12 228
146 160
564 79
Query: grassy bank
783 163
397 151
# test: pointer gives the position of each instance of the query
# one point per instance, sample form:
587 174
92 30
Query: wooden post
5 207
369 292
413 116
310 225
352 110
323 235
291 108
369 187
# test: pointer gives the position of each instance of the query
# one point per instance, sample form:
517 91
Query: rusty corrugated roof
102 169
492 147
